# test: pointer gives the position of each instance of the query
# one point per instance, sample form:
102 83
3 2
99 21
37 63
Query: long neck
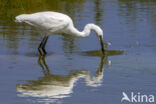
86 30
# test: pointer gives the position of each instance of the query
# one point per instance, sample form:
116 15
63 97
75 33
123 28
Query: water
74 72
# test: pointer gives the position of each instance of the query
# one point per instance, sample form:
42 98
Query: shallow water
74 71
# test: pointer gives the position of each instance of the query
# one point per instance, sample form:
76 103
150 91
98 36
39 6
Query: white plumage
49 22
56 23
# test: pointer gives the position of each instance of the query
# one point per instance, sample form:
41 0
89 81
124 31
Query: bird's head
99 33
97 29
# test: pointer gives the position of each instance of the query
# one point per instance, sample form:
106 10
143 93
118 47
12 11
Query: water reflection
99 52
98 11
52 87
136 11
69 44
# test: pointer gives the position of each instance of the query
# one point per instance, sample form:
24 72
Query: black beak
102 46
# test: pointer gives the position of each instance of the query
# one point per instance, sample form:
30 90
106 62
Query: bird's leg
102 46
42 42
45 41
41 46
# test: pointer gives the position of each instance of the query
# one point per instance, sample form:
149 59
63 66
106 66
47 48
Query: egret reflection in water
53 87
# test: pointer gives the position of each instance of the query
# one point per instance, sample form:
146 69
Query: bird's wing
47 22
55 23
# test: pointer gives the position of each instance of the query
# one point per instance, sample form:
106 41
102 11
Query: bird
50 22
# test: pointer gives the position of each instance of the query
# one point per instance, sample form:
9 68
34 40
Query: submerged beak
102 46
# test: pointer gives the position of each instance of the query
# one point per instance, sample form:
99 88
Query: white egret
57 23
